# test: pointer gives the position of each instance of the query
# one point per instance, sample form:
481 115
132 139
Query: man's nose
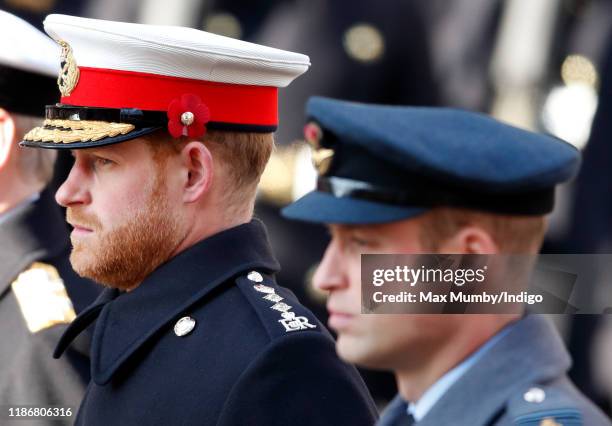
329 275
73 191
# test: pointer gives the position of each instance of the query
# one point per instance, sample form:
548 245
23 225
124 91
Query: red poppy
188 116
312 134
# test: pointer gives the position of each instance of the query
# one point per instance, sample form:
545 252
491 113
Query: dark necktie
402 416
404 420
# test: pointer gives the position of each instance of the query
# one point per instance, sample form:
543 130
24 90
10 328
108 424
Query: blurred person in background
391 181
40 294
590 231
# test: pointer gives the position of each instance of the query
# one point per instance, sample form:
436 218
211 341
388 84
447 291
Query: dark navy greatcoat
250 359
37 284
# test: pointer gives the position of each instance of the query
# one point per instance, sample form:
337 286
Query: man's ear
198 163
470 239
7 137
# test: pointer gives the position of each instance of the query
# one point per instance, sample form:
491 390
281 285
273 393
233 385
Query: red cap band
228 103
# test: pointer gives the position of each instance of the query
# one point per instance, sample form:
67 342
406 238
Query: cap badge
321 157
188 116
69 75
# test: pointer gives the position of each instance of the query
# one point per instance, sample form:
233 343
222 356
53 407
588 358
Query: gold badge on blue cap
321 157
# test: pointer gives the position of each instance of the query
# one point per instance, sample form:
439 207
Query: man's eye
360 242
101 162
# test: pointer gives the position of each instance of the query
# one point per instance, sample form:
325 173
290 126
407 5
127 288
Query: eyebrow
335 230
92 152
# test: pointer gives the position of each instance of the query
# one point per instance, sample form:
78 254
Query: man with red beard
171 129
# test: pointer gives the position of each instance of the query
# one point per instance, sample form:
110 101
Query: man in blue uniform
171 129
40 294
427 180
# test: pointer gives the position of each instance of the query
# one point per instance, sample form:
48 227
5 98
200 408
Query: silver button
535 395
255 276
184 326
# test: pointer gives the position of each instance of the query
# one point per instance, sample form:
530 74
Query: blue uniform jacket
521 380
250 359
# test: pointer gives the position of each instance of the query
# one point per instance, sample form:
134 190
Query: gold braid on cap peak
70 131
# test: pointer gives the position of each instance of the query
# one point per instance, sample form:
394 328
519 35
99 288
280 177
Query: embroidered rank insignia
281 307
293 323
263 288
289 320
552 417
42 297
272 297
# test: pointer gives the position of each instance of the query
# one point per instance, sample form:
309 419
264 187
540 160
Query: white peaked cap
24 47
121 81
174 51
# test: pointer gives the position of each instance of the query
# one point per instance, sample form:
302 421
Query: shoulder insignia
568 417
42 297
544 406
290 321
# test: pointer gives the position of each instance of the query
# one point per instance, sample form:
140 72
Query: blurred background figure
590 231
538 65
39 292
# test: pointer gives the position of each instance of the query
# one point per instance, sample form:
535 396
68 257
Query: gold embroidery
70 131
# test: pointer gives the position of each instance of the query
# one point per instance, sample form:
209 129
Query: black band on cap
25 92
525 203
133 116
138 118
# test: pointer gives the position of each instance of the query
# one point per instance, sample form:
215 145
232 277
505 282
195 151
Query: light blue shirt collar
19 207
420 408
